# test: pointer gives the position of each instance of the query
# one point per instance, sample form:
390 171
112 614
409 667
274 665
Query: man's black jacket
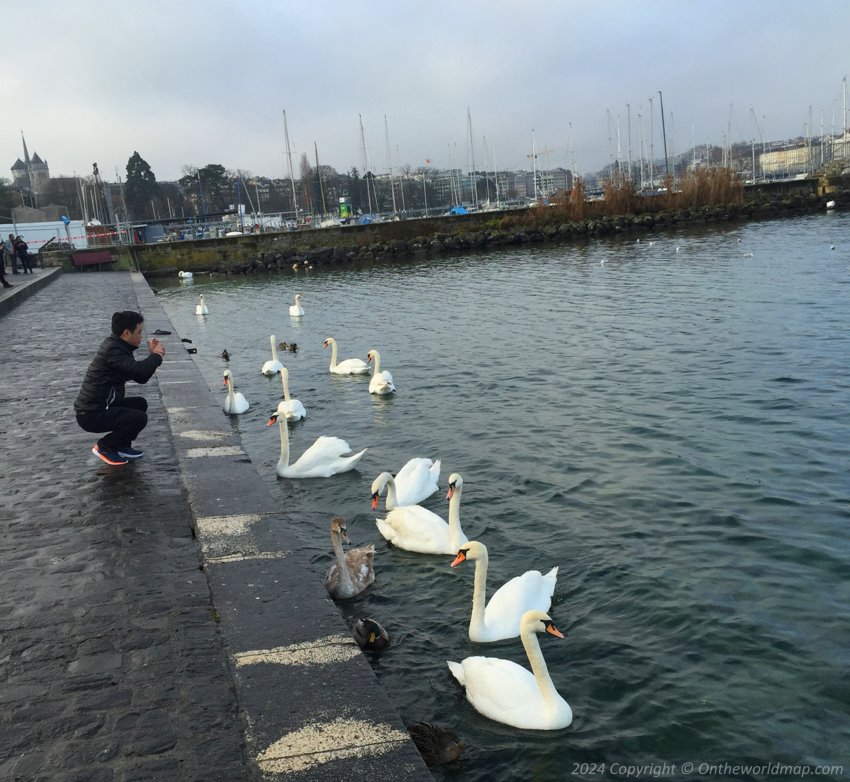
113 366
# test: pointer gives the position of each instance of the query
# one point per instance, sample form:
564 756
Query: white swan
321 460
273 366
417 529
381 382
294 409
234 403
511 694
350 366
185 275
413 483
200 307
296 310
501 617
352 572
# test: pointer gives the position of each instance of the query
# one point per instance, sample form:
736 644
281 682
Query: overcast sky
192 82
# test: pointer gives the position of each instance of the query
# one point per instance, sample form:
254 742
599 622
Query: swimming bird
500 618
511 694
296 310
185 275
273 366
322 459
370 635
201 307
234 403
437 745
295 411
414 482
382 381
225 355
353 571
418 529
350 366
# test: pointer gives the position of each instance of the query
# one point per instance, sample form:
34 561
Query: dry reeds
710 187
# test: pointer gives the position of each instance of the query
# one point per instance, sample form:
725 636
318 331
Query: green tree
141 188
208 189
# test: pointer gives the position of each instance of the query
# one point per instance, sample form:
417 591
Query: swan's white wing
271 367
501 690
351 366
294 410
416 481
530 591
322 453
417 529
381 383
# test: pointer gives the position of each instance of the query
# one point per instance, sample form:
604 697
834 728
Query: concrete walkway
131 649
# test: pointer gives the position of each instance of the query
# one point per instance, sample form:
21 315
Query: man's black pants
123 420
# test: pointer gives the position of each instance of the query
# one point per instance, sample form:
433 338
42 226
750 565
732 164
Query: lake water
669 427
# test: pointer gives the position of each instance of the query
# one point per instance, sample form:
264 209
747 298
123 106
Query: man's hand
156 346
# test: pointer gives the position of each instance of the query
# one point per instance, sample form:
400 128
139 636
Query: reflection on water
669 428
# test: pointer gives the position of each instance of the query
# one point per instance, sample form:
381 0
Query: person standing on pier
9 254
101 405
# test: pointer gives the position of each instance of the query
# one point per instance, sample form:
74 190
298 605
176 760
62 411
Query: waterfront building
30 174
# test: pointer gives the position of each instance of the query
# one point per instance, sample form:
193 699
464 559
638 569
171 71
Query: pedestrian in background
22 250
9 253
101 405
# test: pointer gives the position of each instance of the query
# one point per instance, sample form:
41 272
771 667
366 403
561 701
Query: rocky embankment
420 238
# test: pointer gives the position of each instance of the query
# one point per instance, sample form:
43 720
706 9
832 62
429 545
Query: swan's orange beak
224 382
461 557
324 344
552 630
272 420
450 491
375 501
369 359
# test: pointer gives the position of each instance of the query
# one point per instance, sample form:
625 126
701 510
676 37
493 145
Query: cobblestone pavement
111 661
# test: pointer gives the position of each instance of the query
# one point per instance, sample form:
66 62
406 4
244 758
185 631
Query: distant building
30 174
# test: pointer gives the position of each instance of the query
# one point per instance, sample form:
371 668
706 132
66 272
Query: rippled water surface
669 427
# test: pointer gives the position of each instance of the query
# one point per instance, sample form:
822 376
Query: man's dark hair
125 320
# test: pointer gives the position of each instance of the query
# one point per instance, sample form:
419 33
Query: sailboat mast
390 161
472 154
291 171
319 177
366 167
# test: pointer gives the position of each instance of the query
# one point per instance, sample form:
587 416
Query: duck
184 275
509 693
353 571
201 307
295 411
273 366
501 617
225 355
414 528
414 482
437 745
296 310
350 366
234 403
370 635
322 459
292 347
381 382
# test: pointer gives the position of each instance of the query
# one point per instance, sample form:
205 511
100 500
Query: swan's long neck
230 395
539 669
392 500
274 347
377 357
285 382
333 355
284 440
344 575
479 592
454 523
